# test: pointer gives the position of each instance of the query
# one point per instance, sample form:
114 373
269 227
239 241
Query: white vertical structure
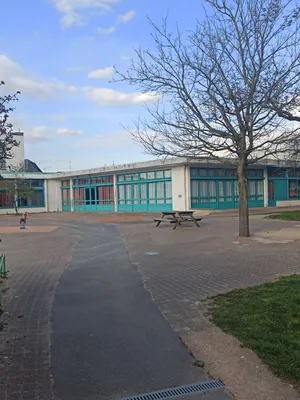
188 196
46 195
266 188
179 195
71 194
115 193
17 151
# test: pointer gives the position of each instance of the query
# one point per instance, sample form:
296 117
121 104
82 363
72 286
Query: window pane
271 190
293 189
168 187
100 195
121 190
136 191
143 191
151 188
203 188
168 173
81 195
230 173
160 190
143 175
194 172
37 198
150 175
228 189
212 188
40 183
111 195
260 188
121 178
276 172
128 192
251 188
221 188
65 194
194 188
159 174
204 172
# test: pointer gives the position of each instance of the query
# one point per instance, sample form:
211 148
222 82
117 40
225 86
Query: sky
60 55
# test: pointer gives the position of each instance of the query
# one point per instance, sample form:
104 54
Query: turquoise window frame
90 202
147 202
228 200
66 204
36 189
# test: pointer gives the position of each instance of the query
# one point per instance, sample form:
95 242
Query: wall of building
18 152
53 195
179 193
11 211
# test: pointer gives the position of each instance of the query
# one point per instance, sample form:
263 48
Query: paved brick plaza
191 263
196 262
35 262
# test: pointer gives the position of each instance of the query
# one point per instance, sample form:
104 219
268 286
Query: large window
294 189
145 190
224 172
152 175
93 191
27 193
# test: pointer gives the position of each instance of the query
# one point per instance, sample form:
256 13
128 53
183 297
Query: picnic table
177 218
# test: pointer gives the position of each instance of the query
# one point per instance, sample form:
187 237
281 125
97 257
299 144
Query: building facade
154 186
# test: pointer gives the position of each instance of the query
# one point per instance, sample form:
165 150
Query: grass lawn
286 216
265 318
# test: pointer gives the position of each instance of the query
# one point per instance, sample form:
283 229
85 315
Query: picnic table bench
177 218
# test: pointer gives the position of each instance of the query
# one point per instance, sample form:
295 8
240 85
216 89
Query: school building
175 184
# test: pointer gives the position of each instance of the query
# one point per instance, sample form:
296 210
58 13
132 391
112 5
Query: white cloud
112 140
110 97
17 79
69 132
105 73
38 134
71 9
72 89
106 31
125 18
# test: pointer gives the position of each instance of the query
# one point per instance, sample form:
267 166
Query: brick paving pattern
193 263
35 263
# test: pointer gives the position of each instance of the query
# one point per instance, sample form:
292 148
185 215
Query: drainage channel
180 391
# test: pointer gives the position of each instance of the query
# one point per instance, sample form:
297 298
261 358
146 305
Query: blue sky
59 54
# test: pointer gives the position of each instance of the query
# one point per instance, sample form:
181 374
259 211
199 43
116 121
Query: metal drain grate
179 391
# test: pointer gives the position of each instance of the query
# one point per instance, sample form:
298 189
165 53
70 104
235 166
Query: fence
2 273
2 266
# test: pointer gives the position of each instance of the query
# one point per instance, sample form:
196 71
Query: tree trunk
16 207
244 230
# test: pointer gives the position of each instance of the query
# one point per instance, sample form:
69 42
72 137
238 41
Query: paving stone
35 262
195 263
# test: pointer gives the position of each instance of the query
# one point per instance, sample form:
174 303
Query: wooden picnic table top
177 212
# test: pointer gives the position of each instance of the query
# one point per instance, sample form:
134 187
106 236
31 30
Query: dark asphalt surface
109 340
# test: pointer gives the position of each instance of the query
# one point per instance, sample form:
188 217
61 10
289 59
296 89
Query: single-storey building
155 186
172 184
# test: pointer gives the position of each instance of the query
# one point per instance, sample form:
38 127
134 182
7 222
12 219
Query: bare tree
226 89
7 141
